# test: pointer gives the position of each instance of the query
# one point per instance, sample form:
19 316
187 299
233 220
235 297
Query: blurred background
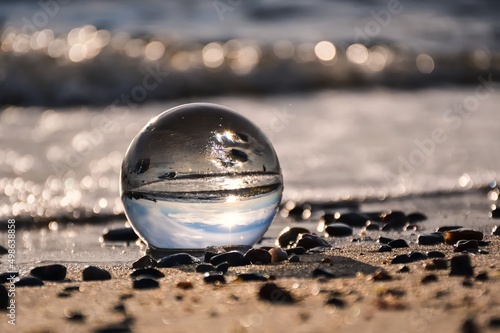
362 99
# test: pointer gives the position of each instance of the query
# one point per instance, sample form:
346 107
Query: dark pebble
467 283
251 277
208 255
385 248
4 297
310 241
146 283
466 245
119 235
177 259
429 278
339 230
275 294
29 281
430 239
461 266
185 285
294 258
401 259
495 213
436 254
482 251
469 326
495 231
339 303
144 262
299 250
222 267
453 236
8 276
151 272
54 272
372 226
114 328
233 258
384 240
288 236
3 250
214 277
416 217
483 276
203 268
393 220
71 288
494 322
258 256
404 269
278 255
320 272
398 243
63 294
416 256
93 273
440 263
448 228
350 218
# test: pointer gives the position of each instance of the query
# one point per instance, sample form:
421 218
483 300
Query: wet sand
401 304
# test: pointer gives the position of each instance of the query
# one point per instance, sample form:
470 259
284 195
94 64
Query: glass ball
200 175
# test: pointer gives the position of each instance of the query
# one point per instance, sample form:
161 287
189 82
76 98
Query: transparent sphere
200 175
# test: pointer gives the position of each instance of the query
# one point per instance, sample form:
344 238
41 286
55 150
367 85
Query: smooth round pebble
278 255
288 236
416 256
495 231
385 248
144 262
401 259
214 277
146 283
119 235
461 266
310 241
151 272
294 258
258 256
436 254
3 250
273 293
93 273
54 272
8 276
203 268
453 236
233 258
29 281
4 297
251 277
222 268
339 230
299 250
430 239
177 259
429 278
416 217
398 243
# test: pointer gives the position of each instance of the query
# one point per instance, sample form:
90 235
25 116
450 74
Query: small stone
339 230
372 226
384 240
29 281
299 250
258 256
222 268
74 315
453 236
184 285
352 219
467 283
146 283
119 235
71 288
288 236
93 273
209 254
233 258
495 231
4 297
448 228
251 277
416 217
416 256
385 248
494 322
63 294
461 266
310 241
8 276
144 262
469 326
3 250
495 213
466 245
398 243
381 275
430 239
275 294
294 258
436 254
401 259
429 278
278 255
214 277
404 269
337 302
203 268
440 263
483 276
150 272
320 272
54 272
177 259
393 220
